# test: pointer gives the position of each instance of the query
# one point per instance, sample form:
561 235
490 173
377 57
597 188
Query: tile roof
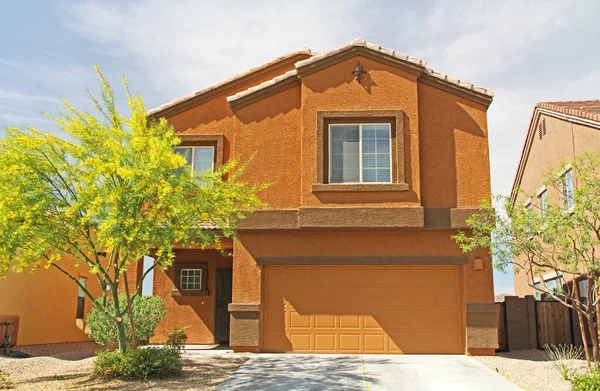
368 45
583 109
314 58
361 43
212 87
268 83
586 109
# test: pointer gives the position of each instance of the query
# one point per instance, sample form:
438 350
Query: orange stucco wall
46 304
563 142
197 313
446 166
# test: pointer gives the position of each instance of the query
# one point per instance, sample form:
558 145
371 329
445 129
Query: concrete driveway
365 372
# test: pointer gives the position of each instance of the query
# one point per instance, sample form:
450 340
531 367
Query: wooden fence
524 323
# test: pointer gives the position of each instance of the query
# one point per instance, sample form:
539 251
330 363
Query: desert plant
562 357
177 338
5 382
147 312
139 363
587 382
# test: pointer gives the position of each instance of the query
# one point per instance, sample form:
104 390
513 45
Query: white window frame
563 175
360 153
543 210
181 279
193 148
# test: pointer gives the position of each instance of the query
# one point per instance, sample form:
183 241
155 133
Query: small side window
567 189
81 298
543 203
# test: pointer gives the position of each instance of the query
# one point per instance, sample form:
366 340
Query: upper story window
567 189
543 203
200 159
360 153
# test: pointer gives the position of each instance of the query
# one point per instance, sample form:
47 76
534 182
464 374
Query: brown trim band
264 92
397 116
243 307
358 188
447 218
270 219
401 217
194 140
485 307
405 217
367 260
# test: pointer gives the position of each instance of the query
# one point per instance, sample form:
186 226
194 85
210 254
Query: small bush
147 312
589 382
177 338
5 382
144 363
562 358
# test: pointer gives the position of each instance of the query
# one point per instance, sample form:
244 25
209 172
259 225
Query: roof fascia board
464 92
225 87
352 51
263 93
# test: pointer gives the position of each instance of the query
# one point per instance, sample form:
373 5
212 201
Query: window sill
359 187
179 293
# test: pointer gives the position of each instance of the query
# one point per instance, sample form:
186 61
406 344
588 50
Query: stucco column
245 307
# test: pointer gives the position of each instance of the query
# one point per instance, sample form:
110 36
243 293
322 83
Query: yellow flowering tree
109 193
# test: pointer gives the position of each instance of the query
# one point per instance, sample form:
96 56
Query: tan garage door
363 309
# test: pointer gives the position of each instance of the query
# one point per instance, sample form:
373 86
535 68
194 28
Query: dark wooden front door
223 299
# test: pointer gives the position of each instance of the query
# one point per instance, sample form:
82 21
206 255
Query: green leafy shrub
177 338
589 382
140 363
5 382
147 312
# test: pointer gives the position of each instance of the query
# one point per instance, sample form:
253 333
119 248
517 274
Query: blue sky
525 51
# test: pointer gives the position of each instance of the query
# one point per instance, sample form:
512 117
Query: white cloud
480 40
183 46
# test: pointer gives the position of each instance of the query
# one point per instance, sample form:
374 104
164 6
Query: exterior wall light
358 72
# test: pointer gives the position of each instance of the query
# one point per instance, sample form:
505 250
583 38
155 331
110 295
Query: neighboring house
374 162
45 306
558 132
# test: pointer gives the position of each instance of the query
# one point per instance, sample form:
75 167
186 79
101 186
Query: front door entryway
223 298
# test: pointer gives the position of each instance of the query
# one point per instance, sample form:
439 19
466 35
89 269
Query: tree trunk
593 333
130 311
118 319
582 325
584 338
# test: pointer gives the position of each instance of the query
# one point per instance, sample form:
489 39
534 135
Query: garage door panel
374 343
350 343
324 321
325 342
329 309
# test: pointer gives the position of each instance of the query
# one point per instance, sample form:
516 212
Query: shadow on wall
442 117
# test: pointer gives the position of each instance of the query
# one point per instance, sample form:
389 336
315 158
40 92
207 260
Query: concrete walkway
365 372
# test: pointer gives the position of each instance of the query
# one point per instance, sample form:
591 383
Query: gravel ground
69 367
530 369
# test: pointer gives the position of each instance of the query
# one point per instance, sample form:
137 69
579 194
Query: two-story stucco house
374 162
558 133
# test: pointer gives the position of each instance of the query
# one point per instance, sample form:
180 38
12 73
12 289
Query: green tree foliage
560 239
110 192
147 312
